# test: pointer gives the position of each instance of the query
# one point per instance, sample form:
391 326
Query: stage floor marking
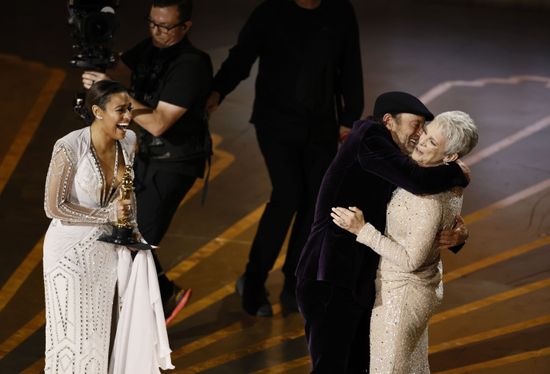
482 303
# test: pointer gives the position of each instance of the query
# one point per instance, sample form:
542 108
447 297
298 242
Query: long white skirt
80 274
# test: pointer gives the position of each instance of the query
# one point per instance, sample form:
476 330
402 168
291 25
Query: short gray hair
460 131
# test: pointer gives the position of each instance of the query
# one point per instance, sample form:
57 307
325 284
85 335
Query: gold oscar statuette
123 229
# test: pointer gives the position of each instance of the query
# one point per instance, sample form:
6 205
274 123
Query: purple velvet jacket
364 173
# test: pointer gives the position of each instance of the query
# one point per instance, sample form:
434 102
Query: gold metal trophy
123 229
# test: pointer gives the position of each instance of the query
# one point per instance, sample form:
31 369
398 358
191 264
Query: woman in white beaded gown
80 272
409 278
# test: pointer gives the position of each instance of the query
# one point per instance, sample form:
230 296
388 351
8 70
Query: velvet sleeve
457 248
379 155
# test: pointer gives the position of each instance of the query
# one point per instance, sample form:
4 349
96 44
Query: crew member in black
170 83
309 90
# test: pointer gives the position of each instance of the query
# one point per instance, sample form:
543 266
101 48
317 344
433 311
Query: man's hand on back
455 236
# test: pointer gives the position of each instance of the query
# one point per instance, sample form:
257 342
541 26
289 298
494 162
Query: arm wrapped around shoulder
379 155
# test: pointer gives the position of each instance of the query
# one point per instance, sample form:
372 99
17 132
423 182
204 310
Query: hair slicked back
185 7
99 94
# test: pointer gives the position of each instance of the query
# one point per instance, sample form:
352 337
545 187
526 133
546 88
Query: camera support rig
94 25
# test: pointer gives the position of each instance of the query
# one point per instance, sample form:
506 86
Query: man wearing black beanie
335 289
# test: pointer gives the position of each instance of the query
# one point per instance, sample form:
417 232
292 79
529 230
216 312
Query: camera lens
99 27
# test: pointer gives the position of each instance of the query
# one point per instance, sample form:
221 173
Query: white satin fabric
141 343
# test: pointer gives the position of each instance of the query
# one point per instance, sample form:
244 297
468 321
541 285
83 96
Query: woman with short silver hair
460 131
409 278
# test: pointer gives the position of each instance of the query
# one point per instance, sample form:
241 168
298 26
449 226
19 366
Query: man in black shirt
170 82
309 88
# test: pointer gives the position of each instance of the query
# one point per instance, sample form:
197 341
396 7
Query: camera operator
170 83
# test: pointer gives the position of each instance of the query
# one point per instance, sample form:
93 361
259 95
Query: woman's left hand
350 219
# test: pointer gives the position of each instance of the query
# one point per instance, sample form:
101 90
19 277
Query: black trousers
296 168
337 327
158 195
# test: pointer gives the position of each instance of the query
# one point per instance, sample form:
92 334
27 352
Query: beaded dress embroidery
80 272
408 281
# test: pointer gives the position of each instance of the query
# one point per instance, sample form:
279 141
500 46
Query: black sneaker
254 299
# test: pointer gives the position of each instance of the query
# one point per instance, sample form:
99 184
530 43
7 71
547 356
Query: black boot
254 298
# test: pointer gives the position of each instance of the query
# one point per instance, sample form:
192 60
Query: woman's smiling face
116 116
430 149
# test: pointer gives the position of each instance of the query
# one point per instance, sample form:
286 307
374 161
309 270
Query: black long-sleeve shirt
308 60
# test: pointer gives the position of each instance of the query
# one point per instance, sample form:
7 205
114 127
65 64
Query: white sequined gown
409 279
80 272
